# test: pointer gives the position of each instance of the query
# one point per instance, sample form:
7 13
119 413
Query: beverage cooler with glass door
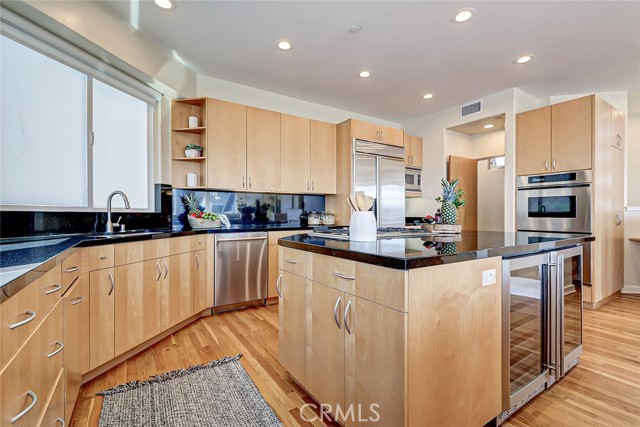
542 322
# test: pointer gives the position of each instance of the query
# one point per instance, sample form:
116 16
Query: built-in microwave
413 180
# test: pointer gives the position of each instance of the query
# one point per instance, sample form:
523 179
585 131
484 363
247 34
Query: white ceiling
411 47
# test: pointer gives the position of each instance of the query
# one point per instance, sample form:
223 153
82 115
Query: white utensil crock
362 227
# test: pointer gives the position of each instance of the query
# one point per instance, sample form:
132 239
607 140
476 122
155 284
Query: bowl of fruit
197 217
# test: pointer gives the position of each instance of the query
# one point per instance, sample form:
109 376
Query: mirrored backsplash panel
247 208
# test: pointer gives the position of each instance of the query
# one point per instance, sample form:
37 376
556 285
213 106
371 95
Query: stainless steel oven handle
241 239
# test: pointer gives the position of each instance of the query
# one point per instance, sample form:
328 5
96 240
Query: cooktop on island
387 232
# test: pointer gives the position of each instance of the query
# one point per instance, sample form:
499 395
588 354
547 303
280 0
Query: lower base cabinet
102 317
177 290
56 415
291 290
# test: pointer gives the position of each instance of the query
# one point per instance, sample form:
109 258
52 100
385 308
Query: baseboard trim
596 305
124 356
631 290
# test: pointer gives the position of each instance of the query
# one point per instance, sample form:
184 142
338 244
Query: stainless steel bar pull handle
618 219
278 290
249 181
159 271
546 165
343 276
54 288
291 261
335 312
346 317
113 283
25 411
243 179
76 301
71 269
553 164
60 345
166 269
104 257
30 313
60 421
307 185
197 261
313 186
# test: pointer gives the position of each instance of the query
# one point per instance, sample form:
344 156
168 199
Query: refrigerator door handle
560 318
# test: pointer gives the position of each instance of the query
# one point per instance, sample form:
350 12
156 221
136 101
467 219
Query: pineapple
449 199
191 203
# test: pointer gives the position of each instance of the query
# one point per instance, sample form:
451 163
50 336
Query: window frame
35 38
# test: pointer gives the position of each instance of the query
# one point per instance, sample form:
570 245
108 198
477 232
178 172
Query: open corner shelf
191 101
199 129
190 159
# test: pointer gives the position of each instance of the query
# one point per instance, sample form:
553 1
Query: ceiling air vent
472 108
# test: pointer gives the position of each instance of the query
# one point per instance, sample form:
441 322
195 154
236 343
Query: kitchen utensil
369 202
360 201
354 204
351 203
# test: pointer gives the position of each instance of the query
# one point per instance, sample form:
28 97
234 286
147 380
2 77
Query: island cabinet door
375 352
291 291
325 337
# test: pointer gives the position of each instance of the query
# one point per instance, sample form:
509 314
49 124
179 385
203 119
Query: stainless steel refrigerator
378 170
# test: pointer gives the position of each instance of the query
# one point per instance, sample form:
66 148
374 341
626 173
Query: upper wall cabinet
377 133
227 137
307 156
251 149
412 151
557 138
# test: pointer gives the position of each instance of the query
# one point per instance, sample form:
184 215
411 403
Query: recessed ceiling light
284 45
488 126
463 15
428 96
364 74
524 59
164 4
354 28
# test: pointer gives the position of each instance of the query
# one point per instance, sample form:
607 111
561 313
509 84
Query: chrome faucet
126 205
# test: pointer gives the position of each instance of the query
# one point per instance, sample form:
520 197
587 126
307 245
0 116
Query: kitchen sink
119 235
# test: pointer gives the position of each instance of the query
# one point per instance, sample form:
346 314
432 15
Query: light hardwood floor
603 390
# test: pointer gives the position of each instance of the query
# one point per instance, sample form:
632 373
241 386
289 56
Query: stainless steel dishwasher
241 265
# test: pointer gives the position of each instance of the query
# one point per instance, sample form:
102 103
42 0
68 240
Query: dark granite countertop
415 252
23 254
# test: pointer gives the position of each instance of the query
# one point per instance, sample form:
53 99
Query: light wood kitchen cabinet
31 376
376 335
76 340
274 261
138 290
557 138
227 138
177 291
56 414
412 151
533 136
263 150
101 317
571 135
326 361
202 289
377 133
295 154
101 257
323 157
291 334
618 119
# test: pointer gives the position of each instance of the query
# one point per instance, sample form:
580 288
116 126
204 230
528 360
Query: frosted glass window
43 130
120 147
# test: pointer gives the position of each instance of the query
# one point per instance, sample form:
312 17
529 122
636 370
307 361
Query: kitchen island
401 332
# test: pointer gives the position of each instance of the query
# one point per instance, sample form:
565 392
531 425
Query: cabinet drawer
275 235
22 314
101 257
179 245
384 286
198 242
29 379
72 267
293 261
54 415
338 273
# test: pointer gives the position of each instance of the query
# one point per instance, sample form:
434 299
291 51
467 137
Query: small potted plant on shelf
451 200
193 150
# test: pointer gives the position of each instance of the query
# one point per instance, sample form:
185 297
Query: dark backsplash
26 223
248 208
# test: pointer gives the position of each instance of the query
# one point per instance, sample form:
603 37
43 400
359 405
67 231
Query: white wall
457 144
246 95
490 198
632 215
432 128
488 144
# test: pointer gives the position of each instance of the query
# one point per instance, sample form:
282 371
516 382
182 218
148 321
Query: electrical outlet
488 277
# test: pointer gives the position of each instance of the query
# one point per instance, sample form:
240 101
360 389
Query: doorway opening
475 155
